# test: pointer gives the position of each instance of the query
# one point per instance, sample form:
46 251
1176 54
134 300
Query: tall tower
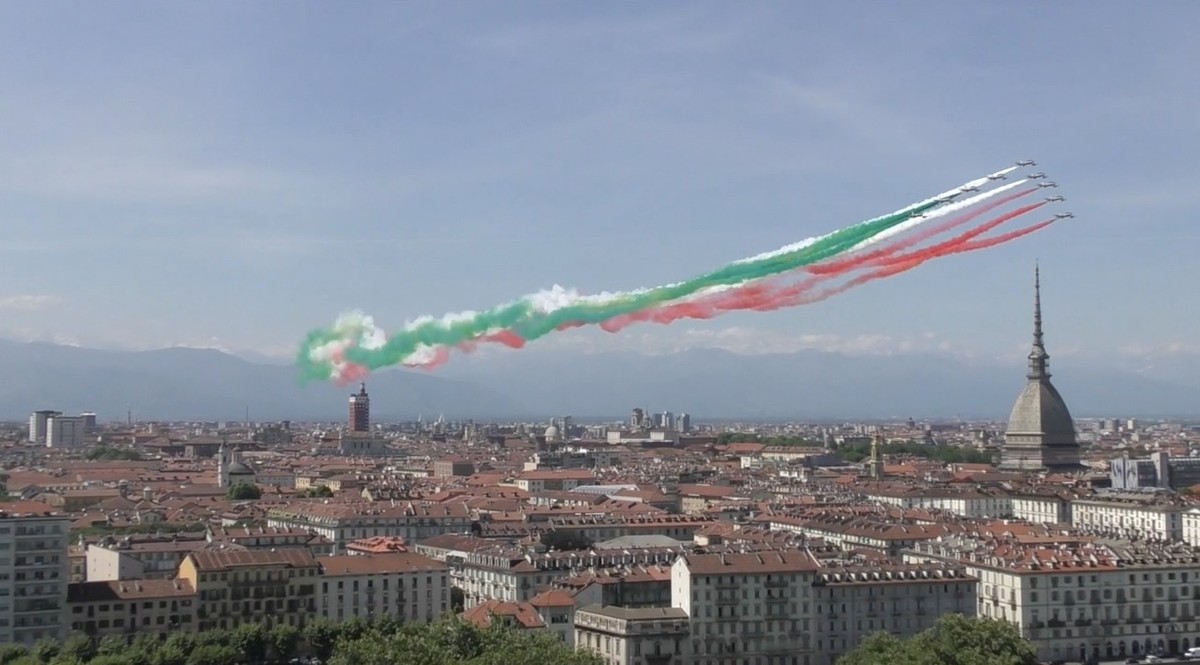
875 466
1041 431
360 410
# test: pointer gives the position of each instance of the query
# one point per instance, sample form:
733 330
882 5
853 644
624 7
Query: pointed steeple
1037 355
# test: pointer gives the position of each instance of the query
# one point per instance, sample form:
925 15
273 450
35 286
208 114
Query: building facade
408 586
263 586
34 573
627 636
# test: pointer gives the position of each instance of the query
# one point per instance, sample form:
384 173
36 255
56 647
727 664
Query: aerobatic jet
1052 199
998 176
1064 215
1026 162
1048 183
1035 176
968 189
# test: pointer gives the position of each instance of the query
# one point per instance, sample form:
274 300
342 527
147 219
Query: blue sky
234 174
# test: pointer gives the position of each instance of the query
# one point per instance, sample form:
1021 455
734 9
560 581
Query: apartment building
510 574
138 557
887 534
1042 507
129 608
342 523
34 573
263 586
854 601
599 528
554 479
964 503
629 636
1078 597
1151 515
757 606
406 585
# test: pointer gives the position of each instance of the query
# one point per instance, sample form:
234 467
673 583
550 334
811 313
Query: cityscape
652 333
660 539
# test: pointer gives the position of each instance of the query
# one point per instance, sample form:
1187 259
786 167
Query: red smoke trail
906 263
839 266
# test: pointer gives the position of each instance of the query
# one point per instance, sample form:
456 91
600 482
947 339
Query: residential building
1077 597
406 585
34 573
129 608
342 523
138 557
1140 515
634 636
272 587
1159 470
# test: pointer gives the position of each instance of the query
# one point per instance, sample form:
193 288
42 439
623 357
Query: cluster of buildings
650 542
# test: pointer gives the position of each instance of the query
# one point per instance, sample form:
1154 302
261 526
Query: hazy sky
237 173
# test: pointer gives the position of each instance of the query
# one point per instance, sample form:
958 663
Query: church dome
1039 409
239 469
551 433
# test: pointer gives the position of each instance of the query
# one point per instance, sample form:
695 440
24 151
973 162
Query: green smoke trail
527 321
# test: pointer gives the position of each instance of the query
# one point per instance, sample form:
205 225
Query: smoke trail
769 295
355 345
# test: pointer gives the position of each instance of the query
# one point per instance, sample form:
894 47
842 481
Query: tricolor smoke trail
796 274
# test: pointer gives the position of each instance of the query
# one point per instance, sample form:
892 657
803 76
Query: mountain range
207 384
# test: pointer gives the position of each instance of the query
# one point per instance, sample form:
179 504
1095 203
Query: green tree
77 648
245 492
112 645
283 640
953 640
45 650
318 492
320 637
458 600
112 659
213 654
250 640
12 652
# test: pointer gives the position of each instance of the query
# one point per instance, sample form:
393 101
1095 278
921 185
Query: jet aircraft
1026 162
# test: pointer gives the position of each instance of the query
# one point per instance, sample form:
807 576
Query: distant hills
202 384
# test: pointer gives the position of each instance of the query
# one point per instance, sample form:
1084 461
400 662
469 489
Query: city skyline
239 177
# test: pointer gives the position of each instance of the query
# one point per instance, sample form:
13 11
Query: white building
406 585
37 425
1041 507
634 636
1190 523
1079 597
34 573
755 607
1141 515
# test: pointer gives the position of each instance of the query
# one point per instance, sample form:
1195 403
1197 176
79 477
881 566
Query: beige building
409 586
34 573
627 636
156 607
140 558
263 586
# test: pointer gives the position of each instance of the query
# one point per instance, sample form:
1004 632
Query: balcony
1056 623
1083 622
1036 624
775 584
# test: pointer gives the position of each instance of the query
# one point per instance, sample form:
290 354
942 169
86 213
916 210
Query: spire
1037 355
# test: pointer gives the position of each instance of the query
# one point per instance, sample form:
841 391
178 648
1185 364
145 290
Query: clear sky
237 173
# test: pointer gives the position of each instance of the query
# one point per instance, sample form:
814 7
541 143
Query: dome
551 433
1039 409
239 469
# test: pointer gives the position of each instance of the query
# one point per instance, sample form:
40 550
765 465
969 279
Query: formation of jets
1052 199
1064 215
1026 162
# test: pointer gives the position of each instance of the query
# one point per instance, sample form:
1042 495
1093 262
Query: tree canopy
953 640
107 453
385 641
245 492
857 451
